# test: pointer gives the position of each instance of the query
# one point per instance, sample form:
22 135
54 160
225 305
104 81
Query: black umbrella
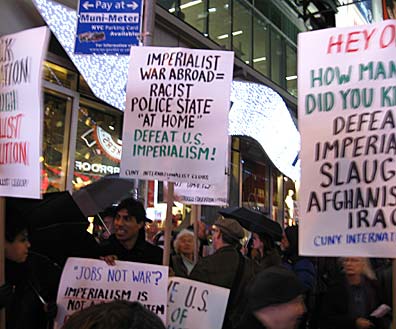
57 227
60 241
101 194
54 208
254 221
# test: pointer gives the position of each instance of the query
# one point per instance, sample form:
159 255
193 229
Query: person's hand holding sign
109 259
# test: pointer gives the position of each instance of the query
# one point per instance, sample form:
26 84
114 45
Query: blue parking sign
108 27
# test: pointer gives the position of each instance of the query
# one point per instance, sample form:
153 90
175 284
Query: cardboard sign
21 112
176 116
347 103
88 281
195 305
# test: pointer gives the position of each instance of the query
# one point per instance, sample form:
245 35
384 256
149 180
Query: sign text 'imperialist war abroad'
347 117
176 116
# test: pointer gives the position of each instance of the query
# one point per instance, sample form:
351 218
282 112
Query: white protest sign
176 115
195 305
347 102
88 281
21 112
202 194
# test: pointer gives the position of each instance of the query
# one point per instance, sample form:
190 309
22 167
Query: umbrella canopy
57 227
54 208
60 241
254 221
101 194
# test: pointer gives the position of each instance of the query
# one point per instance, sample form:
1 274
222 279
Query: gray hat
230 227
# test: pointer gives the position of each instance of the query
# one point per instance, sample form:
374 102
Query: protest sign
176 116
21 112
88 281
202 194
347 101
195 305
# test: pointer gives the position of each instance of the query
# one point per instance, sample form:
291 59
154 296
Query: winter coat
142 251
24 309
220 269
336 310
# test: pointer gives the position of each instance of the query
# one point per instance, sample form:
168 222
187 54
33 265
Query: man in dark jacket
128 241
227 268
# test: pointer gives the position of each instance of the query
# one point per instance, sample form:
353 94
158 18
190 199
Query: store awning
257 111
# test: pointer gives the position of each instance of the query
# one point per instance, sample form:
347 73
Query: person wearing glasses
227 268
128 241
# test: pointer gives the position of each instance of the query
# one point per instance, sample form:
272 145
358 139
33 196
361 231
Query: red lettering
392 36
333 43
367 37
350 41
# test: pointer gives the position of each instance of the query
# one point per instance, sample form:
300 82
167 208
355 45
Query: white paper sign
202 194
195 305
21 112
347 119
176 115
88 281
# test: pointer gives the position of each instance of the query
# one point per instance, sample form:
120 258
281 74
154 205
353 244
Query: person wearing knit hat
227 268
275 298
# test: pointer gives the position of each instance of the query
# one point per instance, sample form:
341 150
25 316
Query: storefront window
276 57
291 70
234 173
255 186
59 75
242 32
220 22
260 46
193 12
98 145
290 202
57 109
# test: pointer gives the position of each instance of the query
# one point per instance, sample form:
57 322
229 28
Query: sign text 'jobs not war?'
347 120
86 282
21 112
176 117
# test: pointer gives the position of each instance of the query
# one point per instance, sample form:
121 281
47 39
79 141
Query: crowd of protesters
271 286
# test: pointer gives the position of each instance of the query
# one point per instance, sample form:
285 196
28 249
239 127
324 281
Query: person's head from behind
184 243
289 243
227 231
129 220
263 243
275 298
108 218
114 315
17 244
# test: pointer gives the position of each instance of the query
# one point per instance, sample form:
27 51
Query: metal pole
2 255
194 217
168 224
149 19
394 293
